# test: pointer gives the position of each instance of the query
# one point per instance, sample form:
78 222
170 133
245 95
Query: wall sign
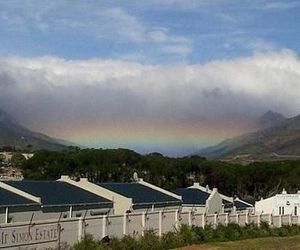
27 235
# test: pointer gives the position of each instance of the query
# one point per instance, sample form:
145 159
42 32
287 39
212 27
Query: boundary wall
65 232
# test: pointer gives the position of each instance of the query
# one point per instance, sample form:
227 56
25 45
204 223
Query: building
279 204
242 205
200 201
203 199
7 156
14 205
39 200
138 195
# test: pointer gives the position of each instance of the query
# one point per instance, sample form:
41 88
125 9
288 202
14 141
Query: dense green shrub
150 241
171 240
88 243
127 242
187 236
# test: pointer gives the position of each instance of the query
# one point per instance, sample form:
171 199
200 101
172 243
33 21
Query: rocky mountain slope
279 139
15 135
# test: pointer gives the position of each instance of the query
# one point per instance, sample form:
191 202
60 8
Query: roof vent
135 177
284 191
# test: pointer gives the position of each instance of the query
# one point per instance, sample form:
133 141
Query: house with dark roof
200 201
48 200
133 196
144 196
242 205
11 203
229 204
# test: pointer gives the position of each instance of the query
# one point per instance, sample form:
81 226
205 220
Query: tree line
253 181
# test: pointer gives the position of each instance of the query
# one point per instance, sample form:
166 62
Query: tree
17 160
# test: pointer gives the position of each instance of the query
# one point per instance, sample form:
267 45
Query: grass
268 243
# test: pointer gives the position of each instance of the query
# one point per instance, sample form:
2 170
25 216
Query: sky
170 76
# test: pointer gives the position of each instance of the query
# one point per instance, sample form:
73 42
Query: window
281 210
295 211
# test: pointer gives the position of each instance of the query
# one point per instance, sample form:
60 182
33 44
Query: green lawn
260 243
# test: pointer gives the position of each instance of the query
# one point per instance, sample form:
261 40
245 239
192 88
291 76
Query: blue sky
156 32
153 75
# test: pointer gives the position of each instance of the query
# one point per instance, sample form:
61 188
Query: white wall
284 200
214 202
265 206
119 225
196 209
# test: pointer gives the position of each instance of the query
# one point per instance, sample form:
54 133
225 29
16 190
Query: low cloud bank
47 93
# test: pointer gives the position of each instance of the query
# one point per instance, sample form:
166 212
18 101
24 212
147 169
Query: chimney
284 191
207 188
64 177
135 177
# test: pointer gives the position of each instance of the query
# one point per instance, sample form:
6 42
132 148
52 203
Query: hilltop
278 138
15 135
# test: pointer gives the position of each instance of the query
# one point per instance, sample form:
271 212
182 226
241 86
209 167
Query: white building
38 200
279 204
65 198
204 200
133 196
197 200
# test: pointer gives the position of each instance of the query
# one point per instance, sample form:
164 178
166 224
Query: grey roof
57 193
8 199
227 204
240 204
192 195
140 193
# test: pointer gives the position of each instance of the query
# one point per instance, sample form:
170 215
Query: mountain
270 119
15 135
279 140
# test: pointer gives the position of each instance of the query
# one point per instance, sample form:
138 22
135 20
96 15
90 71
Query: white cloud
179 4
260 44
51 94
112 89
182 50
281 5
124 25
99 21
255 44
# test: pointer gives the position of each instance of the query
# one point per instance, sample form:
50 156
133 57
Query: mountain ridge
280 139
15 135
